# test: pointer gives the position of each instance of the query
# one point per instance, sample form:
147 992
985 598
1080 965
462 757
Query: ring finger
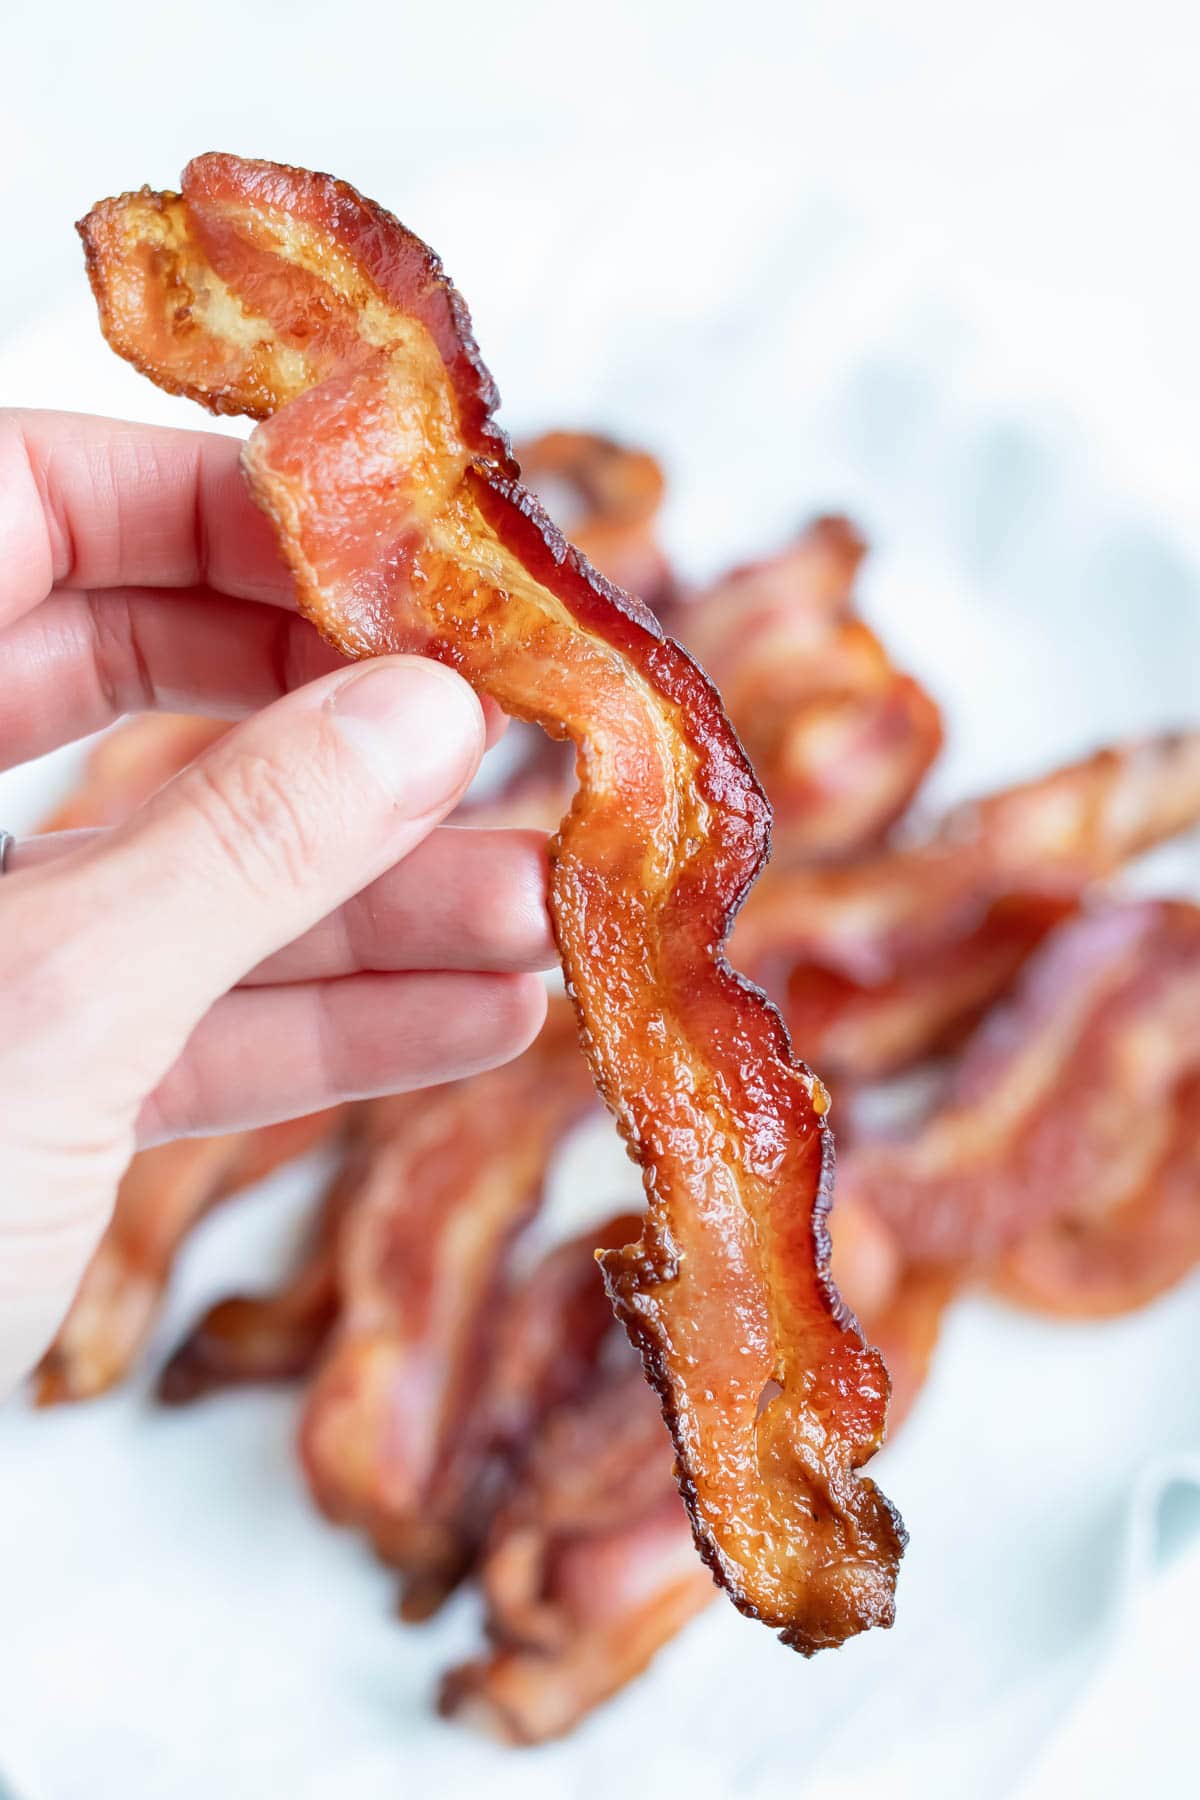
81 659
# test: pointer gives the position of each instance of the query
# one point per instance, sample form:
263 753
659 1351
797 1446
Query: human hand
281 927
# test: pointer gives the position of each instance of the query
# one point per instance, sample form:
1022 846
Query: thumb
272 828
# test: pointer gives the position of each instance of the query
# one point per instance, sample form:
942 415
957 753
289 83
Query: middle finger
464 899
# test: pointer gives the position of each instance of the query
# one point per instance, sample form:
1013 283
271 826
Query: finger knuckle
262 817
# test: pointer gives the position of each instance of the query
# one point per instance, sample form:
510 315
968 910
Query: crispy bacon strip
889 958
1071 1112
589 1569
421 1255
839 737
900 1305
129 763
605 497
162 1195
251 1339
287 296
553 1324
586 1574
1091 1266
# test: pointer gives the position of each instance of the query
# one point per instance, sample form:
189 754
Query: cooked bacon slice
890 958
589 1570
162 1195
421 1257
552 1327
271 291
839 737
605 497
1072 1109
900 1305
251 1339
906 1328
1091 1264
128 764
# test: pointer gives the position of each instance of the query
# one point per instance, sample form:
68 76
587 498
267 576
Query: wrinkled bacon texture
887 959
165 1190
606 497
553 1325
1067 1143
421 1255
589 1569
285 295
839 737
899 1308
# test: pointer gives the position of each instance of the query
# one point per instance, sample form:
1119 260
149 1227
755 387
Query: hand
282 926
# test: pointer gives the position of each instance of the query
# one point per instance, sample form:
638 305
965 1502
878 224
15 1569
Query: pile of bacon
471 1407
1061 1160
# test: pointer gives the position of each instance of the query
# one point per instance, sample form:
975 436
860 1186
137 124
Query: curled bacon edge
839 736
893 956
389 1435
1069 1124
612 494
285 295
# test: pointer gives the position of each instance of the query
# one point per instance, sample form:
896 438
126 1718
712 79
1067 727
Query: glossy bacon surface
276 292
1070 1117
589 1570
886 959
421 1257
840 738
605 497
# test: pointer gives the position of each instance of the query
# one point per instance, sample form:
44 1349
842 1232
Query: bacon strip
606 497
589 1570
888 959
248 1340
128 764
1087 1265
162 1195
422 1250
1072 1112
551 1329
840 738
271 291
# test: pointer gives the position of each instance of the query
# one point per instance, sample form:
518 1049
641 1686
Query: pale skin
285 925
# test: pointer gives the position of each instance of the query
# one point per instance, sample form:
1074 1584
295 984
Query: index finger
97 503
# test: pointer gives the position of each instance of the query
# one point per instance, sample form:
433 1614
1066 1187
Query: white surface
943 274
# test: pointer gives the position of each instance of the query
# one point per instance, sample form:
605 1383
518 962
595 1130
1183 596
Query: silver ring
7 840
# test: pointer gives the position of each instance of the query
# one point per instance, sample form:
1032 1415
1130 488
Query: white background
933 264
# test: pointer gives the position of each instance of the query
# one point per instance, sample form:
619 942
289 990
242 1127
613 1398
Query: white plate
177 1623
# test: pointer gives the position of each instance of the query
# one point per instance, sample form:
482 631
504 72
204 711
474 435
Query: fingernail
418 726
